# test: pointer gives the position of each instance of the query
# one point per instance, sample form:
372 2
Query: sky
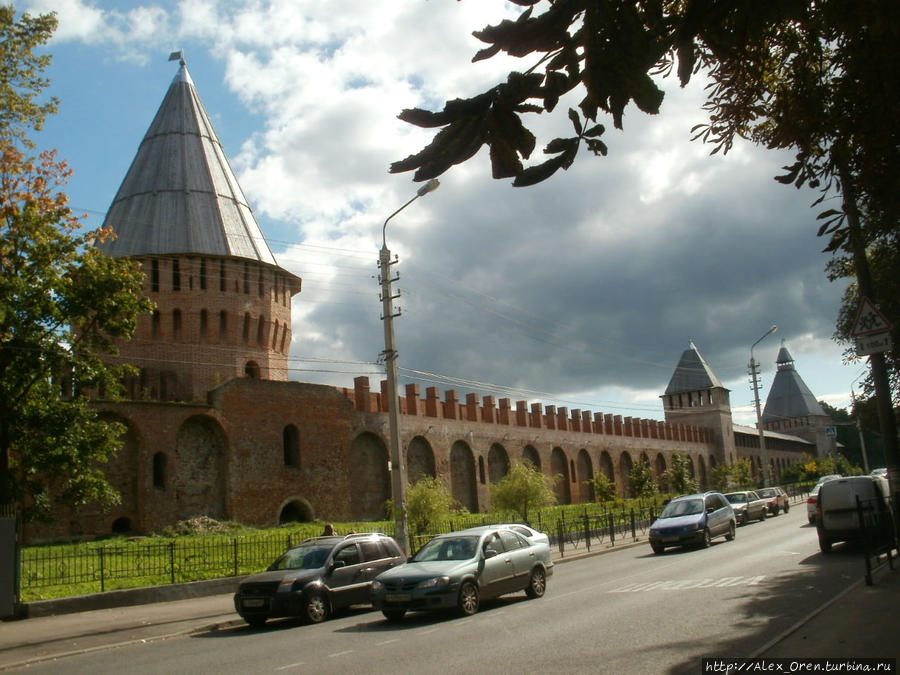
580 292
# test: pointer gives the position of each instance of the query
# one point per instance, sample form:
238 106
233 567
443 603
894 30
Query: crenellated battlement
489 410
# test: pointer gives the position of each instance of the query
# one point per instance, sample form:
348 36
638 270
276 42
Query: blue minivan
693 519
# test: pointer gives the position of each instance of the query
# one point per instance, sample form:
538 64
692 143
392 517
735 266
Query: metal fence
879 536
90 567
87 568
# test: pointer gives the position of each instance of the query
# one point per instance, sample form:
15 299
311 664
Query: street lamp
764 457
862 438
398 466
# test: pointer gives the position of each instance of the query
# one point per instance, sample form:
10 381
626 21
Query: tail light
812 500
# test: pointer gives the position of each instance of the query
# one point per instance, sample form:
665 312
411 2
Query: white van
837 517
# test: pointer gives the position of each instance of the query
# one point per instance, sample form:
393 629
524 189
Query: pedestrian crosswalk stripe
684 584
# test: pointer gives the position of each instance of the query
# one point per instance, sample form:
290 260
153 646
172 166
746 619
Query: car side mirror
489 553
338 563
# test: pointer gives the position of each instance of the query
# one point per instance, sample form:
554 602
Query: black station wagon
317 578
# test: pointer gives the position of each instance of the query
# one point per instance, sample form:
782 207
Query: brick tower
223 304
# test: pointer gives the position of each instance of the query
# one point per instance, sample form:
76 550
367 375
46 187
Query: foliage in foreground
63 305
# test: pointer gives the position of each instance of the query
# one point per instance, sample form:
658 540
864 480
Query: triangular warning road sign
869 320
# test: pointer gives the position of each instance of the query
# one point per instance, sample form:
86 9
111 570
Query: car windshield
682 507
737 498
766 492
447 548
304 557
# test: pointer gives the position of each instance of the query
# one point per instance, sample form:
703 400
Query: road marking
684 584
291 665
343 653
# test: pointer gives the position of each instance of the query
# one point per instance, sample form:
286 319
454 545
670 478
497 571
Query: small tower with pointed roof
696 396
223 304
792 408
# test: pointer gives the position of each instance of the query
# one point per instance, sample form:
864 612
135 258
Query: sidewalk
859 623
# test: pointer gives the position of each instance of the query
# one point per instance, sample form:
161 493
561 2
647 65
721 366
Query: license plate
397 597
669 540
254 602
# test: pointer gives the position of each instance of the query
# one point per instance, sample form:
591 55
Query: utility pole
398 463
754 367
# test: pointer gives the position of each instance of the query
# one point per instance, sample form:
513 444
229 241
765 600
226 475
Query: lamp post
398 465
764 457
862 438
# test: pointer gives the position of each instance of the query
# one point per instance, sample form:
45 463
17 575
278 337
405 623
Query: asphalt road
626 611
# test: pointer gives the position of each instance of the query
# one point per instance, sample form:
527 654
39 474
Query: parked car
776 499
316 578
747 505
838 517
460 569
693 519
813 499
528 532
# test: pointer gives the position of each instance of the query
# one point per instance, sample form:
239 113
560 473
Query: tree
523 489
21 80
63 306
883 255
742 473
640 479
604 488
679 476
721 475
428 503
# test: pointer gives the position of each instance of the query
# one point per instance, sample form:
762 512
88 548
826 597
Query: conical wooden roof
180 195
789 397
692 374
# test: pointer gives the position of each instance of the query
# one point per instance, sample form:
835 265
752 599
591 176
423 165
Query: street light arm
767 333
430 186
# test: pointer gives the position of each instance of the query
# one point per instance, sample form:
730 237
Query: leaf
540 172
576 121
597 146
596 130
558 145
647 96
486 53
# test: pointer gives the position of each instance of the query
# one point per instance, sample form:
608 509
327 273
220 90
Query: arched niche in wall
462 476
559 466
370 481
419 460
200 448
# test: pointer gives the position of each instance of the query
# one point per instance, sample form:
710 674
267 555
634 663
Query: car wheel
775 511
537 584
744 518
256 620
787 507
393 614
730 535
707 538
764 514
811 519
657 549
316 608
468 599
824 545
